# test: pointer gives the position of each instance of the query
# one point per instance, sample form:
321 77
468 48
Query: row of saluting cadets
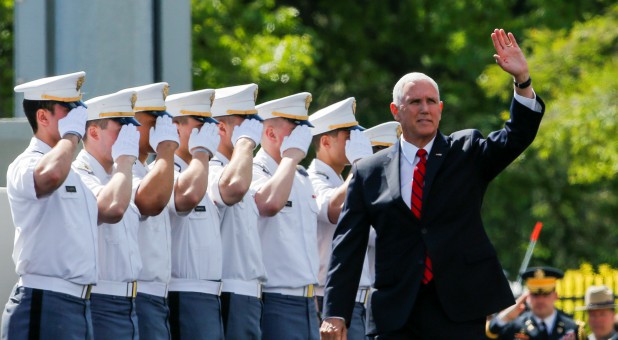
204 242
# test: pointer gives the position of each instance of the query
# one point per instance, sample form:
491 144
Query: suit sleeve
349 247
502 147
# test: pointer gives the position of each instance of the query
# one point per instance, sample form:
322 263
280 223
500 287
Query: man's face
147 120
282 130
227 125
542 305
185 129
57 113
601 322
419 113
108 136
337 146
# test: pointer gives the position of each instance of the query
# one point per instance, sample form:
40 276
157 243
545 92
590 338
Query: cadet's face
419 113
147 120
283 130
184 130
542 305
108 137
226 129
338 146
58 113
601 322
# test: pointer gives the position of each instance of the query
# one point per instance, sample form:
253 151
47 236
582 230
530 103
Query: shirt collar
93 164
549 321
409 150
39 146
269 162
324 168
221 158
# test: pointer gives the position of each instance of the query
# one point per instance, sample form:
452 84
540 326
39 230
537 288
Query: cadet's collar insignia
539 274
166 90
80 82
354 106
307 102
83 166
133 100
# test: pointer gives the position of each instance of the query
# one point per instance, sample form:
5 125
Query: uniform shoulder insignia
322 174
301 170
263 167
84 167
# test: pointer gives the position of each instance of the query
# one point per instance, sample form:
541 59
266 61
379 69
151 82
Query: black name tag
200 208
70 188
288 203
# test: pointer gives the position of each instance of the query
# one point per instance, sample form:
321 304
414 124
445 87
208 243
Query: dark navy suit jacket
467 274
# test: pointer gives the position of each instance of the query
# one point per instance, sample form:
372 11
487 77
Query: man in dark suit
543 321
437 275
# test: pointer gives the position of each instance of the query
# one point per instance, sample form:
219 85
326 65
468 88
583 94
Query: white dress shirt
55 235
196 238
119 258
242 259
325 181
154 239
289 239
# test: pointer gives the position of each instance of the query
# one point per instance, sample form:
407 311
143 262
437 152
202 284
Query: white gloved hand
163 130
250 128
127 143
74 122
357 147
205 139
300 138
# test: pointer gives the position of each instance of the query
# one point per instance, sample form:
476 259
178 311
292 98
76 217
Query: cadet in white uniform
288 220
153 189
338 141
105 165
230 178
55 218
195 310
381 136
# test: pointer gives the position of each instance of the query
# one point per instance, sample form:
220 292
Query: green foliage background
337 49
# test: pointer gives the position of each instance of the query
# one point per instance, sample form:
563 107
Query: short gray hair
410 78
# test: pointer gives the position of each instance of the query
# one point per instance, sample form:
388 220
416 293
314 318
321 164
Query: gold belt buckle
132 287
86 290
309 291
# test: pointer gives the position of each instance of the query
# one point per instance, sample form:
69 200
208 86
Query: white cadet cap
151 98
336 116
117 106
292 107
194 104
236 100
385 134
64 88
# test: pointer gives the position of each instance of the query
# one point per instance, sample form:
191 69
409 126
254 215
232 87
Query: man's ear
42 117
441 105
325 141
93 132
395 111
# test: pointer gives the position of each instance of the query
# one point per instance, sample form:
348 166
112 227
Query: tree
570 175
6 58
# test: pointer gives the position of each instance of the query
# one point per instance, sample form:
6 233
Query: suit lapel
393 178
434 162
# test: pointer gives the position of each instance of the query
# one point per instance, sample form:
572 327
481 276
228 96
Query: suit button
424 231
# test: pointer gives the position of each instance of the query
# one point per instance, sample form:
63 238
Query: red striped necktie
418 183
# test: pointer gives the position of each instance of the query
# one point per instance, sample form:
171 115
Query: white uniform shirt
289 239
242 259
55 235
196 238
325 181
119 258
154 238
